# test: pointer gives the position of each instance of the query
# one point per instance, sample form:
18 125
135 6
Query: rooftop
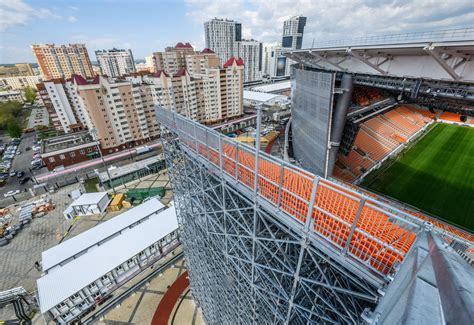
263 97
82 242
57 284
273 87
66 141
130 168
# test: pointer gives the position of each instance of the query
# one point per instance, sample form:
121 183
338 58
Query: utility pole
93 133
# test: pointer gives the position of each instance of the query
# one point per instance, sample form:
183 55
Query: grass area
90 185
435 175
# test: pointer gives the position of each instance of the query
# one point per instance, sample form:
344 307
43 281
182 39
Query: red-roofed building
183 46
207 51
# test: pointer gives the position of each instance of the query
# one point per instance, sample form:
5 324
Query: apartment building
17 70
293 29
221 35
20 82
199 62
115 62
172 59
62 105
62 61
251 53
118 110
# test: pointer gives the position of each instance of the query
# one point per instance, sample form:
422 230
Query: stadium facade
269 242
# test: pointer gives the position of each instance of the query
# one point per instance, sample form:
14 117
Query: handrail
379 238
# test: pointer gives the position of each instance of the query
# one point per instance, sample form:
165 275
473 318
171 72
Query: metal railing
448 35
371 232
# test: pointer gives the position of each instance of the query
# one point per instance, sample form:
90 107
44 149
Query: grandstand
270 241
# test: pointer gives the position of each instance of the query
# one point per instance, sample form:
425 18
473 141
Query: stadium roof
68 279
59 253
273 87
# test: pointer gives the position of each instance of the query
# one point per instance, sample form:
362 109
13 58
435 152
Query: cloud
18 13
72 19
74 8
263 19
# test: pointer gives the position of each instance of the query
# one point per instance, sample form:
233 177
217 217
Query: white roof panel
89 198
273 86
260 96
64 281
83 241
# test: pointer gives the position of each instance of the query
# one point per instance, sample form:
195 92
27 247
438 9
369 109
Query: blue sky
146 26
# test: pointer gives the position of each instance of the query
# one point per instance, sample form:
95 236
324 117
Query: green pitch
435 175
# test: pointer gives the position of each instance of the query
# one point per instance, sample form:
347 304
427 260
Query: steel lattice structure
253 259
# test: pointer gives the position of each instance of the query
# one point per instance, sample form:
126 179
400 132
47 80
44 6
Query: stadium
368 221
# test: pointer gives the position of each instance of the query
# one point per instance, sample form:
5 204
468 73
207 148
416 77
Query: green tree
30 94
14 129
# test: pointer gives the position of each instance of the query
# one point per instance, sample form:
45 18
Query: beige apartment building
62 61
17 70
172 59
118 112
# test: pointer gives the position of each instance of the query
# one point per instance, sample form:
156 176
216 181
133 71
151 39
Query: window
62 157
81 151
72 154
51 159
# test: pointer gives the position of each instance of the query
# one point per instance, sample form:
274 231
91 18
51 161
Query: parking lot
21 162
39 116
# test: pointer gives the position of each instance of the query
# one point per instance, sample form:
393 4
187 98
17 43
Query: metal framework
253 257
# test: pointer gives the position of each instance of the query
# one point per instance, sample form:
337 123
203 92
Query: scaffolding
267 242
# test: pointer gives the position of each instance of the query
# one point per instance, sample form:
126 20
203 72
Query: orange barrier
448 116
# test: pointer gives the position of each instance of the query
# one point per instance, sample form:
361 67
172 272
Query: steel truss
245 265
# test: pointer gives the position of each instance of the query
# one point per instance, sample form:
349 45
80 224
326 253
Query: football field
435 175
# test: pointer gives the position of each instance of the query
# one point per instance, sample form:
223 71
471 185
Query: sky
146 26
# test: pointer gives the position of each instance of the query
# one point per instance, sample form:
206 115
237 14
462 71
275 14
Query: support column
339 120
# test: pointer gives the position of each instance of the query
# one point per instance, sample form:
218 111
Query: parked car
11 193
20 174
12 173
27 148
24 180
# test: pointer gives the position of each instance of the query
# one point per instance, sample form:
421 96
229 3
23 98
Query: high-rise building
62 61
150 63
221 35
20 82
274 63
199 62
63 104
293 29
251 53
173 58
17 70
115 62
118 112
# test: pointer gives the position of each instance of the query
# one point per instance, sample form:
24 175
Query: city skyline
27 22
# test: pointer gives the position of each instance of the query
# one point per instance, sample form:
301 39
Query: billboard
281 65
312 101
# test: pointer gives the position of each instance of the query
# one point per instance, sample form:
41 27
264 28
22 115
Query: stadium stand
450 117
378 137
363 96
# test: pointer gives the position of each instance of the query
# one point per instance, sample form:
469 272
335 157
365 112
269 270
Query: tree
30 94
14 129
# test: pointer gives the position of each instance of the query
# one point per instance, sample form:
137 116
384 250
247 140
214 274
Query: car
11 193
27 148
18 153
23 180
12 173
20 174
